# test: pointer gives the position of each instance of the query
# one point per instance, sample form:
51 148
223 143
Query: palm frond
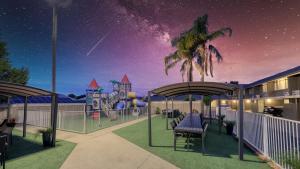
215 51
211 68
171 57
220 32
201 25
198 67
183 68
171 60
205 64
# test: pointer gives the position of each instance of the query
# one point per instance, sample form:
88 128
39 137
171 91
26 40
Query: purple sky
104 39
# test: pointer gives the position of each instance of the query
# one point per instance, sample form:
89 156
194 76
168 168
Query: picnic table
190 125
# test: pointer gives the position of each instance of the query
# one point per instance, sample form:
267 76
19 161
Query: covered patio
198 88
10 90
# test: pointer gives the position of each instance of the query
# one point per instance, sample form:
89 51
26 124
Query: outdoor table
191 124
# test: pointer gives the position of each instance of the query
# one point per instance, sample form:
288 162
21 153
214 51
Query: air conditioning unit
257 96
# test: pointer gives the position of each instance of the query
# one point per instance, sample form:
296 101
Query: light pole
54 96
54 39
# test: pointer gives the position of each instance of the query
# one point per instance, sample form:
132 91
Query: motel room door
261 105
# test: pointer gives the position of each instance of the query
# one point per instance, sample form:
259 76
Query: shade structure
11 89
199 88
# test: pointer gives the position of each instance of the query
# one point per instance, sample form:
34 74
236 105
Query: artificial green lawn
29 153
221 150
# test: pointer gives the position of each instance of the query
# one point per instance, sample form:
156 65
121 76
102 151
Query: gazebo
11 89
199 88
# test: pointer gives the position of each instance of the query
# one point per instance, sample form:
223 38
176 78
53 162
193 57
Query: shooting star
96 45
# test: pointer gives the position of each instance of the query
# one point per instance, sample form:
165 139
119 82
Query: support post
210 111
191 107
172 108
265 136
149 120
167 110
191 103
54 106
25 116
84 118
8 107
296 103
219 114
241 121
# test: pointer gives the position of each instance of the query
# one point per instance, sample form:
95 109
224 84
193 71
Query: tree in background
7 72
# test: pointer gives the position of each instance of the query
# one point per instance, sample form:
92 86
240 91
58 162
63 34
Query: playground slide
120 105
138 103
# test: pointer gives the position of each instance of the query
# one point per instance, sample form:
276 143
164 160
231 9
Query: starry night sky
104 39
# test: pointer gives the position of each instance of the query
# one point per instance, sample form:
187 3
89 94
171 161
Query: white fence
78 120
276 138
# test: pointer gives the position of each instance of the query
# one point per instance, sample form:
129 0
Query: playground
97 110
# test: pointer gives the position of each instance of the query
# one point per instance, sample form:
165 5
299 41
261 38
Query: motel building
281 90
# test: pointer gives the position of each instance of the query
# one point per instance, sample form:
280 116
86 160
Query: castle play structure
121 98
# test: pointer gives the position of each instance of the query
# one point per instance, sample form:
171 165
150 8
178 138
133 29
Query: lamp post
54 96
54 39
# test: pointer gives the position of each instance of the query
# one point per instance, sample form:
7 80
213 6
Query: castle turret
125 87
93 96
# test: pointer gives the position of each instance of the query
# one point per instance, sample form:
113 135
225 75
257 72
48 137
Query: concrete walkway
105 150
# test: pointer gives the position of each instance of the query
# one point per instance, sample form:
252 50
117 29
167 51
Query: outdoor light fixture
269 100
234 101
248 101
286 101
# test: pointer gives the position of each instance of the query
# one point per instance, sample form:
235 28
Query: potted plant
157 111
11 122
229 127
47 136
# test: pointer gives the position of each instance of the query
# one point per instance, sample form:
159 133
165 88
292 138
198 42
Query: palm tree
183 54
194 49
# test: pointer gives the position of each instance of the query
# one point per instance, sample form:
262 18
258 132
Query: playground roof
94 84
125 79
201 88
12 89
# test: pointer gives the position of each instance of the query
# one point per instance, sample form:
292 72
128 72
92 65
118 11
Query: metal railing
277 138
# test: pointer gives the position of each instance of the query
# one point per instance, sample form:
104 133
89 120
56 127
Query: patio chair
202 136
4 122
3 147
7 132
177 120
181 116
173 124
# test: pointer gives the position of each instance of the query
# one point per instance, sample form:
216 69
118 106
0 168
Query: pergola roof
12 89
201 88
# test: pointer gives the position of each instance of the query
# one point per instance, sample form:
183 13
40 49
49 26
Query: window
281 84
265 87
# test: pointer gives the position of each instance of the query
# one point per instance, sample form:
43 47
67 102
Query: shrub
157 111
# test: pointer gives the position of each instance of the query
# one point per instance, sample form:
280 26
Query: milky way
265 39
